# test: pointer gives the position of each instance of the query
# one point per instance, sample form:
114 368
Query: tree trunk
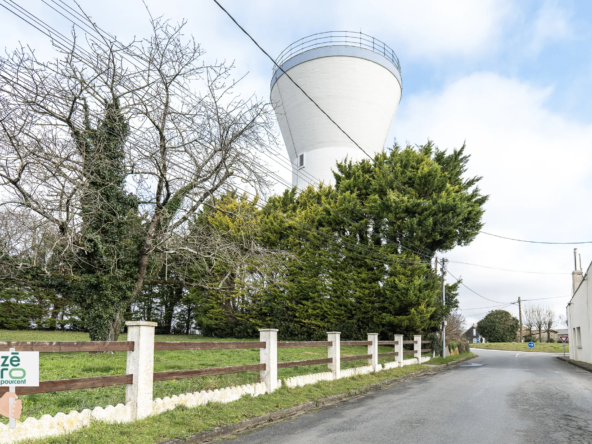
142 267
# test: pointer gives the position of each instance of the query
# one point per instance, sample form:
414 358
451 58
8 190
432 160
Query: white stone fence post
373 350
334 352
268 356
417 347
399 349
140 364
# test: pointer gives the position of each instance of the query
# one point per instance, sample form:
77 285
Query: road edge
273 417
580 364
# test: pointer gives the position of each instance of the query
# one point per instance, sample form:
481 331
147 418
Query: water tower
355 79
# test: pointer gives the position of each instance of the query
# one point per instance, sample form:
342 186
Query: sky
508 79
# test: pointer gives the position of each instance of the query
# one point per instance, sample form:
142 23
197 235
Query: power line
358 246
473 291
540 299
292 80
505 269
535 242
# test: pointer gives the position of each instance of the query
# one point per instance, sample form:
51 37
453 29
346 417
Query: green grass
54 366
440 361
548 347
183 422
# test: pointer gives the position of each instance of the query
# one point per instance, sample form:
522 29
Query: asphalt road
510 397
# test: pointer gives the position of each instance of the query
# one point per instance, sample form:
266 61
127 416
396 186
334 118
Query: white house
579 317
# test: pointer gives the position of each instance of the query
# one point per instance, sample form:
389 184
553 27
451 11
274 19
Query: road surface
500 397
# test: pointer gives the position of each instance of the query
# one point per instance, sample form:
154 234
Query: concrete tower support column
140 364
268 356
335 353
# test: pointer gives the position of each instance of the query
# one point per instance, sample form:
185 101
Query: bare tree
530 319
539 319
455 325
549 317
113 148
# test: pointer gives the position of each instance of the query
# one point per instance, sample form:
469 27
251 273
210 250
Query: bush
551 340
498 326
464 347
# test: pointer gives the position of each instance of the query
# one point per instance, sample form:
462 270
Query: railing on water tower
335 38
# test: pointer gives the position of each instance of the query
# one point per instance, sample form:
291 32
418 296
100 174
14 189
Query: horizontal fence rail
426 342
409 342
63 385
355 358
158 346
388 342
384 355
68 346
184 374
356 343
426 350
408 352
289 364
304 344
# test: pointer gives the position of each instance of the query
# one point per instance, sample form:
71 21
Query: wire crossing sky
506 78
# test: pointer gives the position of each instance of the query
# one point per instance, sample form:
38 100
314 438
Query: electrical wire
505 269
387 259
473 291
536 242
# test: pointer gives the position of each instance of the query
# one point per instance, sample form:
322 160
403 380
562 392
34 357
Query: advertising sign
19 369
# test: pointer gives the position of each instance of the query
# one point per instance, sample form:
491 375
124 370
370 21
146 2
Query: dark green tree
105 269
498 326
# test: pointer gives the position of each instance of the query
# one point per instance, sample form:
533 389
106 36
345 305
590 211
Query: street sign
563 338
531 344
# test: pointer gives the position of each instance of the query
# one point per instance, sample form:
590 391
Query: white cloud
536 167
432 28
552 24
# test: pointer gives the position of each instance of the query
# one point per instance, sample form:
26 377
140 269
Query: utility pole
520 316
444 305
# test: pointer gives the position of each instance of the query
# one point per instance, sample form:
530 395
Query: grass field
548 347
183 422
448 359
55 366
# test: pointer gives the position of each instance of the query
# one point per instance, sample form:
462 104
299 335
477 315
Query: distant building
473 336
542 337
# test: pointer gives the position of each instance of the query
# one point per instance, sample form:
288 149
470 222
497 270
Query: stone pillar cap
268 329
140 324
334 332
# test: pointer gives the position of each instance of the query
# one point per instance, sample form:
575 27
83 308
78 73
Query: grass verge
547 347
448 359
54 366
184 422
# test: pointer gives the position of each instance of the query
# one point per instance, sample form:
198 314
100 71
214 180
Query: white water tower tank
355 79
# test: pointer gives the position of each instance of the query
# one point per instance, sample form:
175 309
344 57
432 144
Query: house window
301 161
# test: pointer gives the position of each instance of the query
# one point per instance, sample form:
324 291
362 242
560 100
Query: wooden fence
141 348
